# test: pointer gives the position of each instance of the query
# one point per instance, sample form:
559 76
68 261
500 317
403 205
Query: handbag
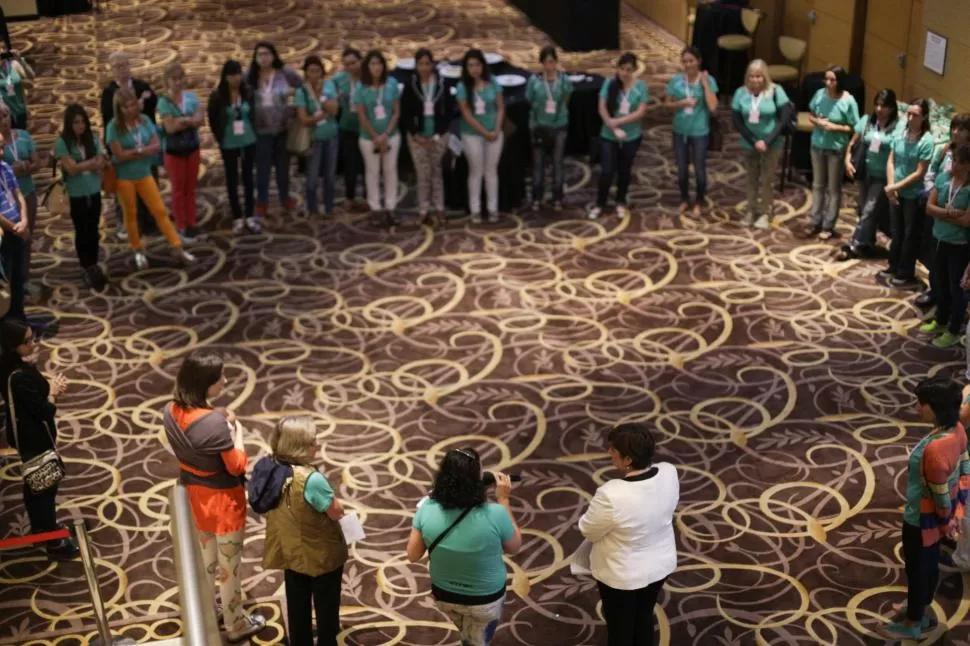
442 535
715 141
56 198
299 136
184 142
858 156
40 472
791 126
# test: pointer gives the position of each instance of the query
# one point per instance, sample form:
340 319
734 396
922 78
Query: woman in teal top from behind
622 104
693 96
316 105
483 113
465 538
834 113
548 94
21 153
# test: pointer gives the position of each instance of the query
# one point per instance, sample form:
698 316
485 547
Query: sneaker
594 213
622 211
260 211
183 256
94 279
63 550
747 220
762 223
946 340
493 218
253 224
238 227
122 234
926 300
250 625
476 218
196 233
899 630
536 206
933 327
141 260
186 236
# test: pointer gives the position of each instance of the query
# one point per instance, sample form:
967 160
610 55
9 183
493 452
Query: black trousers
324 593
352 160
12 250
629 614
19 121
41 510
616 160
951 303
922 571
86 216
906 229
230 164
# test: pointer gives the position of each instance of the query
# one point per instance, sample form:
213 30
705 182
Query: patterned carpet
774 378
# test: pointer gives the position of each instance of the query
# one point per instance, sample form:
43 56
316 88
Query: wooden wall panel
830 42
948 18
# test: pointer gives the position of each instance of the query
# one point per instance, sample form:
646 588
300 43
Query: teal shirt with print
232 141
12 89
21 151
369 96
637 96
539 91
906 158
768 109
327 129
843 111
695 121
947 231
81 184
346 88
469 559
488 95
168 108
877 158
142 133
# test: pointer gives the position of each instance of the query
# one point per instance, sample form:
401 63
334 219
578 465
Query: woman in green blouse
21 153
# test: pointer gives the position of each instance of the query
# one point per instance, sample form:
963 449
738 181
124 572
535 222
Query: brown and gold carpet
775 378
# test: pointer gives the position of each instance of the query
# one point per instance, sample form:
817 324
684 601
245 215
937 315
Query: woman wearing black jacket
32 431
427 110
231 120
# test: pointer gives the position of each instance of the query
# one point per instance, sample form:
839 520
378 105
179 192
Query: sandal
811 231
251 625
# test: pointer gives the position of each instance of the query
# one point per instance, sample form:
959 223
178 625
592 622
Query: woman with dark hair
693 95
908 162
378 101
465 538
231 120
208 444
21 153
876 132
630 523
622 104
483 113
273 84
82 160
181 114
347 81
316 106
834 113
548 94
426 109
30 406
14 70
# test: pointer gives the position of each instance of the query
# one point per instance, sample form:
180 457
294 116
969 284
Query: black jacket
412 107
36 429
108 97
217 111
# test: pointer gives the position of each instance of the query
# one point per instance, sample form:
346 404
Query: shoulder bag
184 142
442 535
858 156
791 125
56 198
299 137
43 471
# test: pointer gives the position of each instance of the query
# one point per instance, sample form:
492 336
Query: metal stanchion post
105 637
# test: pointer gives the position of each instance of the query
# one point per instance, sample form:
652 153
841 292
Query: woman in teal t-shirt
548 94
693 96
21 153
378 101
81 159
465 538
483 113
347 80
622 104
316 106
13 71
908 162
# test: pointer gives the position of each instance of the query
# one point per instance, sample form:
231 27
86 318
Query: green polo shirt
232 141
488 97
327 129
695 121
539 91
370 97
80 184
20 150
12 89
768 108
947 231
143 133
877 157
906 158
346 88
168 108
843 111
636 96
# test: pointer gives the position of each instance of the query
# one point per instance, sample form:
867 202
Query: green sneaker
931 328
946 340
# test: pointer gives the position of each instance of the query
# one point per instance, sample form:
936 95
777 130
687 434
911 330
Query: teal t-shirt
843 111
81 184
346 88
20 150
241 113
318 493
878 143
695 121
483 105
12 90
431 91
635 97
947 231
544 95
168 108
327 129
370 98
469 559
140 135
767 109
906 158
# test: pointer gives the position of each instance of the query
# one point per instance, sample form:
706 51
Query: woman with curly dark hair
465 537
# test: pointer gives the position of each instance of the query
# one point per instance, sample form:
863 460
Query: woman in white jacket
630 524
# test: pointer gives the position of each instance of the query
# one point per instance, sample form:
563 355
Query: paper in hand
580 563
352 528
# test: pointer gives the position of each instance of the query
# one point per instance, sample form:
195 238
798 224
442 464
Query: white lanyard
184 103
81 152
353 88
13 146
756 101
380 96
136 133
550 96
427 91
953 194
689 87
267 87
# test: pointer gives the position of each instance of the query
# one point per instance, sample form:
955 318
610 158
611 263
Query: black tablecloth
712 22
576 25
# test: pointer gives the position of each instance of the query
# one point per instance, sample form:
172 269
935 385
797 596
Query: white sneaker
122 234
476 218
747 220
493 218
622 211
762 223
594 213
238 227
141 260
253 225
187 237
186 257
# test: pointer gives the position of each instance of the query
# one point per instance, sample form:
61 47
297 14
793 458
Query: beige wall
948 18
830 38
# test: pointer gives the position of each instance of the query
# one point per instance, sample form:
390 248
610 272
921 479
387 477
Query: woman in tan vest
303 537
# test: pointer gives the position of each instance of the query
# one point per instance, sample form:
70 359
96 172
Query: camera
488 478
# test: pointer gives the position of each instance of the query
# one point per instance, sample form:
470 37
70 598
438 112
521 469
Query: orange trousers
147 190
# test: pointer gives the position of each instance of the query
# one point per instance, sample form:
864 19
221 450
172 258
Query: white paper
550 107
379 112
238 128
934 56
876 142
351 527
580 563
454 145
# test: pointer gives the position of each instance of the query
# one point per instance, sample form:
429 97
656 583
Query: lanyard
427 91
549 89
267 87
237 109
13 146
380 96
952 194
689 87
756 101
136 133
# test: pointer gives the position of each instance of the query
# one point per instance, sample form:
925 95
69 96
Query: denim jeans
873 203
828 169
906 229
687 151
558 153
322 163
616 160
476 624
271 152
951 262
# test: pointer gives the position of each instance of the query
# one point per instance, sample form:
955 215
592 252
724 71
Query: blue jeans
873 203
322 163
271 152
557 151
687 151
616 160
828 169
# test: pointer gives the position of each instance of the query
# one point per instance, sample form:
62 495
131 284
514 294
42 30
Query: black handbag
715 140
182 143
858 156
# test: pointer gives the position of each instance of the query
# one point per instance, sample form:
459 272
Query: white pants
482 157
373 163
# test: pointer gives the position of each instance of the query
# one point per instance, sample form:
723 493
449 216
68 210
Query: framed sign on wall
934 55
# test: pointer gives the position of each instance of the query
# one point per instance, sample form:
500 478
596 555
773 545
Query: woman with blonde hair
133 141
760 110
303 535
181 114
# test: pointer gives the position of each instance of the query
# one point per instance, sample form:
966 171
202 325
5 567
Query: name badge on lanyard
429 99
13 147
550 97
479 104
136 133
754 116
876 141
689 90
10 87
266 92
323 99
953 194
238 125
380 113
625 102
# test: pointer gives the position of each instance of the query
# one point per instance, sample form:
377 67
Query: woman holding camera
465 538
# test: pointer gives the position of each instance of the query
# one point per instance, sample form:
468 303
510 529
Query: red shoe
289 204
260 210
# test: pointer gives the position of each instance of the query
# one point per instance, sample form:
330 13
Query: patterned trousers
426 153
222 554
